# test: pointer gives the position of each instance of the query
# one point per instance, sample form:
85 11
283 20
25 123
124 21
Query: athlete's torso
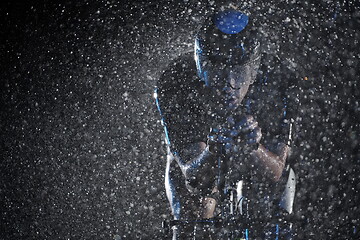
186 106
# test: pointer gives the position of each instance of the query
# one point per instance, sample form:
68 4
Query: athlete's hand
219 139
249 132
240 134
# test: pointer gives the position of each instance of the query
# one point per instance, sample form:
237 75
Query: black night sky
82 151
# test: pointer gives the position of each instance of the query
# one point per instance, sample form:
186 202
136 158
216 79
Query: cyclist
219 108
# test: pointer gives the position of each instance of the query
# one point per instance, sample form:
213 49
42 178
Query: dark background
82 151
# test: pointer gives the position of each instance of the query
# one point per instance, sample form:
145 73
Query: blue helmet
227 44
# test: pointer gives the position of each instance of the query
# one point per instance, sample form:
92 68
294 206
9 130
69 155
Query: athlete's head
227 54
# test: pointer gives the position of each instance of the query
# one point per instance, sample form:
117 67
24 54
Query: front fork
237 207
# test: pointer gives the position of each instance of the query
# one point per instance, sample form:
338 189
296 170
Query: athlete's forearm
198 167
271 163
199 163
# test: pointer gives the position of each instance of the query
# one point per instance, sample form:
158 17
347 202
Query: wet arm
197 164
272 163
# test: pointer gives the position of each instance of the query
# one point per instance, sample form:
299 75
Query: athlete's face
231 73
232 83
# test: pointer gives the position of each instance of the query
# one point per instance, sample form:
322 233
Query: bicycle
230 224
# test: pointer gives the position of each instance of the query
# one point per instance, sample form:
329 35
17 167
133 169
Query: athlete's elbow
276 177
276 172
